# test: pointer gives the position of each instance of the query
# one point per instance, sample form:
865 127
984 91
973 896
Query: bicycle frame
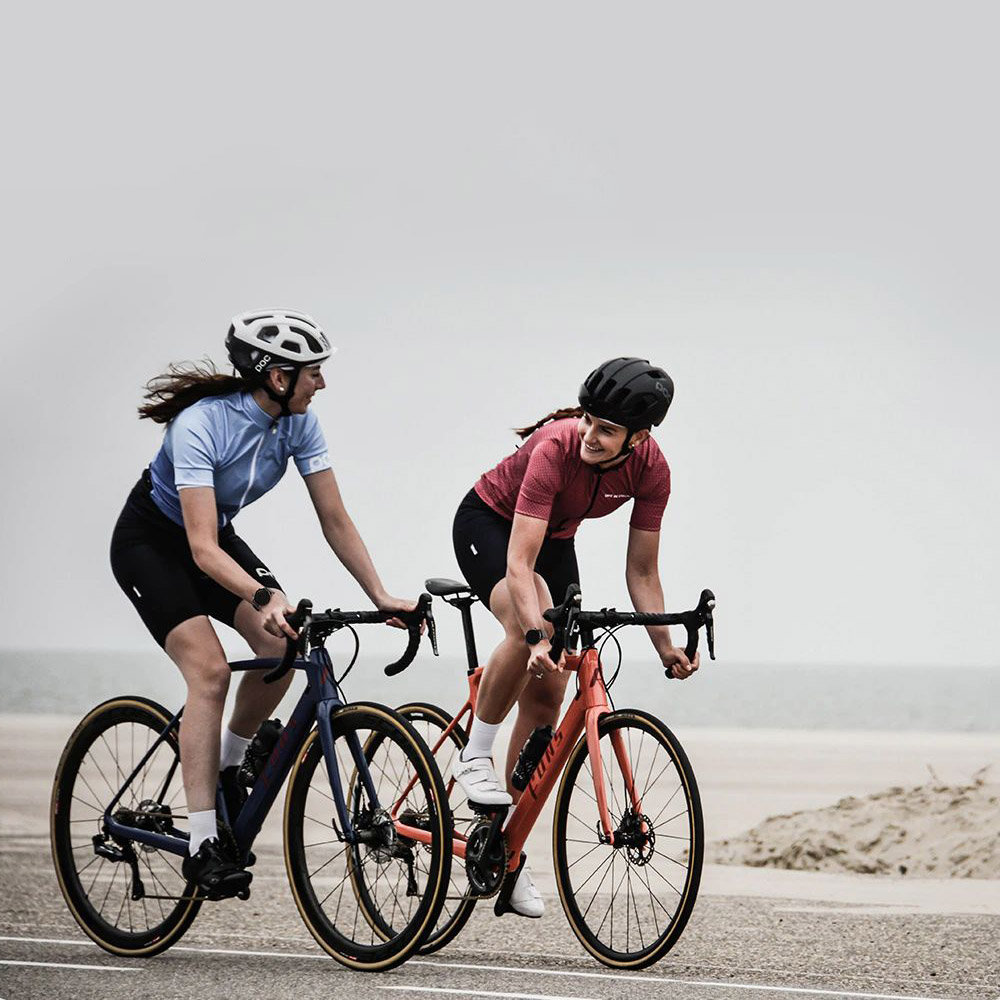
582 717
318 702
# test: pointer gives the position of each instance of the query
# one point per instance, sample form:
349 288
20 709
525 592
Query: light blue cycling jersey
231 444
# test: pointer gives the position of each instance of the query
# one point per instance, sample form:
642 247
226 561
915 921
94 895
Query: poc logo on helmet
661 389
262 364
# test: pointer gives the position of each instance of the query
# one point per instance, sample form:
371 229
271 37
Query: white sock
481 737
203 827
232 749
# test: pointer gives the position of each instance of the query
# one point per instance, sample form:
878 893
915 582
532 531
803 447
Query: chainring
485 873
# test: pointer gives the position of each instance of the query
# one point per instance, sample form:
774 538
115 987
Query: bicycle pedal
227 892
482 810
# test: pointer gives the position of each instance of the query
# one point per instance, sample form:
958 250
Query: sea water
961 699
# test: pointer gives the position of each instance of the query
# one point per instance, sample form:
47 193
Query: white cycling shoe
479 782
526 900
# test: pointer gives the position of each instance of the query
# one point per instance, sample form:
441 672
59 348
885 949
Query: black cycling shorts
481 536
152 562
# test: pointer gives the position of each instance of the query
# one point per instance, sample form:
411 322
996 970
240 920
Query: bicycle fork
607 832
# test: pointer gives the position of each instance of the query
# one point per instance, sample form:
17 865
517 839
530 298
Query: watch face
533 636
262 597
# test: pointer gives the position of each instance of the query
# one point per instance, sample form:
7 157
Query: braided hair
569 411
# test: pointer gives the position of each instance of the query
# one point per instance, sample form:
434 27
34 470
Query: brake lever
570 643
432 632
707 607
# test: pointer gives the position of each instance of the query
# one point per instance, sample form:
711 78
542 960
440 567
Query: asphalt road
733 947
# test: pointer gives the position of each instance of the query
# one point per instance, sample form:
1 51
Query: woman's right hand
540 662
274 613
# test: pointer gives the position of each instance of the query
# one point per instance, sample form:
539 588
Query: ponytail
569 411
184 384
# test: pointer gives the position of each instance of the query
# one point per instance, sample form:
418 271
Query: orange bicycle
627 838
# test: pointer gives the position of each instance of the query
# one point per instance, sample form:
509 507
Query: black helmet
628 391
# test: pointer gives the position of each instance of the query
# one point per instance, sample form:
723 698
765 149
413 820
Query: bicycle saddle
443 587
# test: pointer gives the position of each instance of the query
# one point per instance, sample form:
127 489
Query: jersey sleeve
309 446
195 449
543 480
652 495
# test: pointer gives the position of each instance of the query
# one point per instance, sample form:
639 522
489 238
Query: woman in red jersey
513 536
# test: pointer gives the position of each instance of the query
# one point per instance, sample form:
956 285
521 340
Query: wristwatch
534 636
261 598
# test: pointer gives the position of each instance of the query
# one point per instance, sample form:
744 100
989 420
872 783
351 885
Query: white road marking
181 947
621 977
617 977
70 965
481 993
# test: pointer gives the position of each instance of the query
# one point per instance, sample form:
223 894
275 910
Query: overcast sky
791 207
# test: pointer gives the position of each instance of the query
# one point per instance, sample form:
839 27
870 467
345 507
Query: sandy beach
746 777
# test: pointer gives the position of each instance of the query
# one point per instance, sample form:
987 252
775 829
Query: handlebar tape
296 619
414 619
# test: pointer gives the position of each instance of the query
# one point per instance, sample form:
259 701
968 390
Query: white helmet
275 338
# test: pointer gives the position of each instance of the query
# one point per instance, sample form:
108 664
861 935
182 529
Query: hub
636 837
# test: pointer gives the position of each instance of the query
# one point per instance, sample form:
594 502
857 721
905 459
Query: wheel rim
430 725
98 889
358 894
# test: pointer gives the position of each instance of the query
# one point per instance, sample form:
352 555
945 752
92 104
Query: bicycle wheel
368 904
628 904
431 722
103 751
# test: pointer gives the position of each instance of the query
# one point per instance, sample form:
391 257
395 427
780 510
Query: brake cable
354 659
610 634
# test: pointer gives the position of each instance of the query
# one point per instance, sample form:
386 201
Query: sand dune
931 830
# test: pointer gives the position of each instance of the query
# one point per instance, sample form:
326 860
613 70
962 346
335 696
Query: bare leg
506 671
506 679
255 700
195 648
538 705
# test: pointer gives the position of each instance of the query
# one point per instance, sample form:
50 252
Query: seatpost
464 605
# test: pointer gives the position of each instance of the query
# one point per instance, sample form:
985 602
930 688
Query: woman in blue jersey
177 558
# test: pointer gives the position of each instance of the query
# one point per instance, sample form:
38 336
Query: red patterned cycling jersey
546 478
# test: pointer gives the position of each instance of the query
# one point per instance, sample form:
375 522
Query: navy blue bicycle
360 778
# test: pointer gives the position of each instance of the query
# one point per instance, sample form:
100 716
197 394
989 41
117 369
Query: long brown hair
569 411
184 384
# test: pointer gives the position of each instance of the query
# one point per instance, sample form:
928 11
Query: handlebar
312 627
569 619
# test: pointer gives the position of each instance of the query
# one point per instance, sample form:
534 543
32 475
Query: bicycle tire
431 721
102 751
362 932
648 926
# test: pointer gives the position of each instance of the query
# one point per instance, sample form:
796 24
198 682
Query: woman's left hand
680 666
388 603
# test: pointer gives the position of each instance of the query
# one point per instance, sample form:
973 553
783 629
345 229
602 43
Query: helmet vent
314 344
268 333
291 346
